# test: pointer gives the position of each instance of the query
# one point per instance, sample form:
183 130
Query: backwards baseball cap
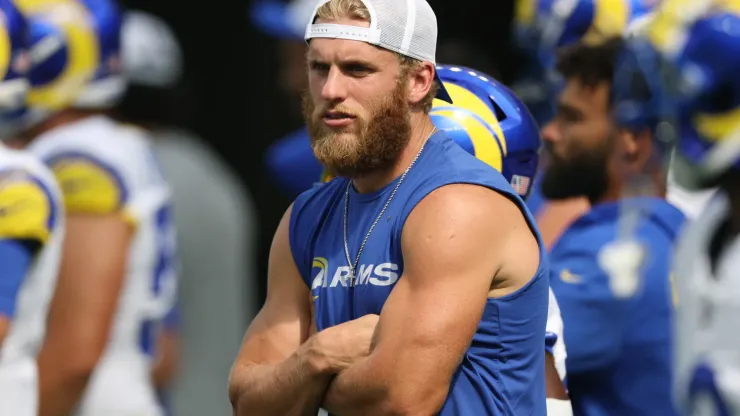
407 27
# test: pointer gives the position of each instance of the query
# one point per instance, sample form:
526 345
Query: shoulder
457 162
471 216
699 232
660 226
310 210
99 136
474 199
657 220
34 168
476 234
471 204
29 198
445 163
320 197
101 166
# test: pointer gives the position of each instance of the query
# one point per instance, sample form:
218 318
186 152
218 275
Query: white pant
19 387
121 386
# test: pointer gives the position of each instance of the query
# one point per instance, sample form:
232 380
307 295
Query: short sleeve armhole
27 210
89 185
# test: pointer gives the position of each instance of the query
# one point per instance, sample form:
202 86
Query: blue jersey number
165 273
704 395
165 267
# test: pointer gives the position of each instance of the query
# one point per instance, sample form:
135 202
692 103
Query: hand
338 347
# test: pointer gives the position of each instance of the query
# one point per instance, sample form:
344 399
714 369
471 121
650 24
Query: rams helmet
14 65
64 56
107 85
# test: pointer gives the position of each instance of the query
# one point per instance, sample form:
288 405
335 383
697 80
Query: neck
64 117
648 184
421 131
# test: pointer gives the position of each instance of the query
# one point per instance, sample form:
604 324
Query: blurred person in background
118 274
699 46
490 122
611 279
541 27
290 160
216 223
31 231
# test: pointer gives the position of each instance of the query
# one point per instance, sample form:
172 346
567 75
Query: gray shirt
216 225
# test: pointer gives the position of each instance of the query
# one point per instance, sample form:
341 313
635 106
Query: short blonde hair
356 10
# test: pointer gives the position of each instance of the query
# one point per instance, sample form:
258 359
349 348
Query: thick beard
378 142
582 175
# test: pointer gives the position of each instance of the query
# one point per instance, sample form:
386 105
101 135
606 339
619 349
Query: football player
542 26
699 43
490 122
610 271
118 272
31 231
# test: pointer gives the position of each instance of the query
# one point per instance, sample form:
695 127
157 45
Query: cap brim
272 18
442 93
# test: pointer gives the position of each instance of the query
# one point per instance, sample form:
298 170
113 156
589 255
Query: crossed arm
454 244
275 371
453 248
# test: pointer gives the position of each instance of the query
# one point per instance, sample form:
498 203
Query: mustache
334 109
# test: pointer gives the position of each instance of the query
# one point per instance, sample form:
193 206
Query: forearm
356 391
4 328
165 365
61 383
292 387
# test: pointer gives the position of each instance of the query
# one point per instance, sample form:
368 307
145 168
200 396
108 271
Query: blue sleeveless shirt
502 372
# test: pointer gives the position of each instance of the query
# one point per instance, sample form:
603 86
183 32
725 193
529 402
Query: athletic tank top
502 372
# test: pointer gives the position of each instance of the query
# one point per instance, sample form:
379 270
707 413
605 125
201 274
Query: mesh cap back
408 27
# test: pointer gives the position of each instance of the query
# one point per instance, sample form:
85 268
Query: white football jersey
690 202
554 335
105 168
707 326
30 209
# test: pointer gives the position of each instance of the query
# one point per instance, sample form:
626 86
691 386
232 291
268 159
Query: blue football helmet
108 85
14 65
704 57
543 26
637 88
65 57
491 123
641 97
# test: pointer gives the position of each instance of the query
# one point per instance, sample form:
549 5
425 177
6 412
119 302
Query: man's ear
637 148
420 82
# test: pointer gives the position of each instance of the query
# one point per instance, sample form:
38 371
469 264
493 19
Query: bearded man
415 282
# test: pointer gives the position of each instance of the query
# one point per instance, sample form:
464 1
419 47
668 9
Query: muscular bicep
284 321
91 276
452 254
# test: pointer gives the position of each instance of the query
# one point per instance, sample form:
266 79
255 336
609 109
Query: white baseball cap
408 27
151 53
